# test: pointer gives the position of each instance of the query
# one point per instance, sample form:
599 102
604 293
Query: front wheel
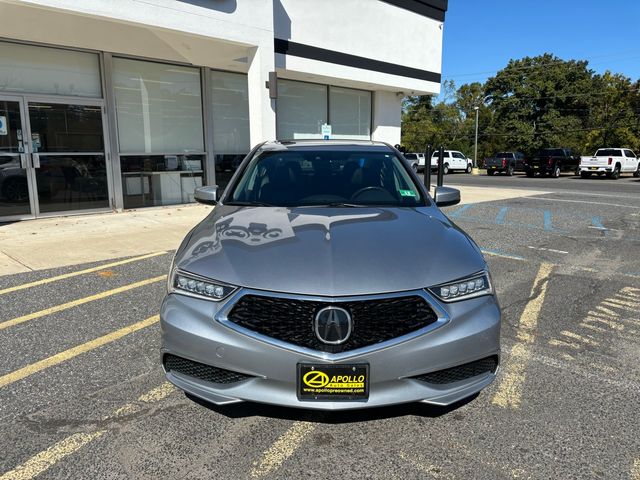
637 172
414 167
445 169
468 170
556 172
510 170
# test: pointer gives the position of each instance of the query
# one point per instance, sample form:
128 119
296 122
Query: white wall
366 28
387 115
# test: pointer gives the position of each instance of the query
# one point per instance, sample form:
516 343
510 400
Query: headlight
472 286
195 286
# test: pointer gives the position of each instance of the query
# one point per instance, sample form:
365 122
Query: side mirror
446 196
207 195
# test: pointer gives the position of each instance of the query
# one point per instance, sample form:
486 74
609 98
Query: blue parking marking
460 211
596 221
501 215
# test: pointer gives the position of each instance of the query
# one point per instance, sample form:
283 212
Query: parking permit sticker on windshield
407 193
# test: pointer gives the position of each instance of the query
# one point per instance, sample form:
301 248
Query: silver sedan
327 278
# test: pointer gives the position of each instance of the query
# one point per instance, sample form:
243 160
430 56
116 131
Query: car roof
325 145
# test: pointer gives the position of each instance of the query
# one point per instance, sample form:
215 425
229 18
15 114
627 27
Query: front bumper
470 331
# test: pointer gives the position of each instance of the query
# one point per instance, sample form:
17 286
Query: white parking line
543 249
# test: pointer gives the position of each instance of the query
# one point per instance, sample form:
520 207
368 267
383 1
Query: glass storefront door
52 157
16 176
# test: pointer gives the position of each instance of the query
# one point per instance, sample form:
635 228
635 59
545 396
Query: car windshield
551 152
326 177
608 152
503 155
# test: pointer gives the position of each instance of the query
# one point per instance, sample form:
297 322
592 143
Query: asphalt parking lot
82 393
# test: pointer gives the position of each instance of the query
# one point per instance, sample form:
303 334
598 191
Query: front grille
292 320
461 372
201 371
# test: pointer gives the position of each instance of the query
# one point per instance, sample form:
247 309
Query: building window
230 121
304 107
49 71
302 110
350 113
160 131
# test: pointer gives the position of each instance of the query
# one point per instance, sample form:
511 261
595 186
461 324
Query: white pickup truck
610 162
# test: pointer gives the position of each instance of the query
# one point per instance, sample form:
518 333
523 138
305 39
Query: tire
468 170
414 167
445 169
556 172
636 174
510 170
615 175
585 175
577 172
491 172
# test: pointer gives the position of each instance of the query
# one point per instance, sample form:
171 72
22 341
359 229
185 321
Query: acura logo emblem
333 325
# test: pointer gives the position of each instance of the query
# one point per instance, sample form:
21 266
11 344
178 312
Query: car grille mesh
292 320
201 371
461 372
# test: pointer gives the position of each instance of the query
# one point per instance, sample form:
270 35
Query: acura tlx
326 277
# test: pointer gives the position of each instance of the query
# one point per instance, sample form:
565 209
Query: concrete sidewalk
62 241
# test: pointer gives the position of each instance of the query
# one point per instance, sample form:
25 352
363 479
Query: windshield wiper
342 205
250 204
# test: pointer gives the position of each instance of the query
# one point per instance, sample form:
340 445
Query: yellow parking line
509 392
46 459
282 448
52 455
635 470
74 352
79 272
80 301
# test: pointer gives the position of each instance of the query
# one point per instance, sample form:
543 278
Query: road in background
564 405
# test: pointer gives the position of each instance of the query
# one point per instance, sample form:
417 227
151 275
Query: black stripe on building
435 9
330 56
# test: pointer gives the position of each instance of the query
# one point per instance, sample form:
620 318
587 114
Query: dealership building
119 104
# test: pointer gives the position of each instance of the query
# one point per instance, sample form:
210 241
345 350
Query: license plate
333 382
536 166
593 168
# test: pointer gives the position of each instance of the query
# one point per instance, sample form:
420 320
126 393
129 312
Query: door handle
35 160
23 160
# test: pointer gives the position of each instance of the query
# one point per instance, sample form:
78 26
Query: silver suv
309 285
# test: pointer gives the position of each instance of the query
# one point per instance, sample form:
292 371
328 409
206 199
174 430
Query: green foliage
532 103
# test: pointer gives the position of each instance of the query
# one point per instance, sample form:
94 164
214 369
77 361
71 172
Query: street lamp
475 154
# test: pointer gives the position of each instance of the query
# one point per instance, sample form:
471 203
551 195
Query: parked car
610 162
288 293
505 162
414 161
552 162
419 159
453 160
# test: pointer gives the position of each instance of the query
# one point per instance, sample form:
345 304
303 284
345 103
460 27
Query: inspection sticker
333 382
408 193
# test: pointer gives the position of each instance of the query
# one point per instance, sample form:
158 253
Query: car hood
329 251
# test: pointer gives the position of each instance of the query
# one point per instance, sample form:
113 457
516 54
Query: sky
481 36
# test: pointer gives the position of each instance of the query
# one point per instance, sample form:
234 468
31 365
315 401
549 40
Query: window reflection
155 180
72 182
